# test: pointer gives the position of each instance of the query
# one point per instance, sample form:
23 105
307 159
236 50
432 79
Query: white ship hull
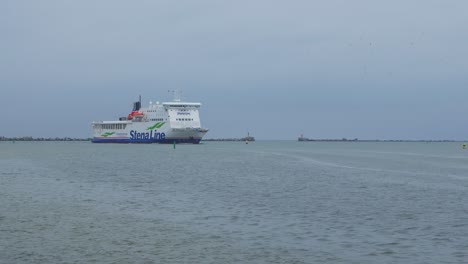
174 122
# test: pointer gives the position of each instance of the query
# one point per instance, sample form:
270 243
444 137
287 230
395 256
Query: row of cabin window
113 126
157 119
184 119
178 106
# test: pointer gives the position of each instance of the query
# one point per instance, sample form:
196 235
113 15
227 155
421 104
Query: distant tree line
373 140
42 139
230 139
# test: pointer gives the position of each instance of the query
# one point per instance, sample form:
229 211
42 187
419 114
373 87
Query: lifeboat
134 114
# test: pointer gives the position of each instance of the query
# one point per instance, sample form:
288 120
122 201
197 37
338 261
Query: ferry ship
167 122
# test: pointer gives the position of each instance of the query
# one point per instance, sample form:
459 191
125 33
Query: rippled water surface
228 202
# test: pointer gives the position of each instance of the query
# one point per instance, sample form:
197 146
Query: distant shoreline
42 139
230 139
380 140
304 139
339 140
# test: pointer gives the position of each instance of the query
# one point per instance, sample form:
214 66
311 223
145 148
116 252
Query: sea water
231 202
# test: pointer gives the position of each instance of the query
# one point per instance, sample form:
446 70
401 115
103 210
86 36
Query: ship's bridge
183 114
180 105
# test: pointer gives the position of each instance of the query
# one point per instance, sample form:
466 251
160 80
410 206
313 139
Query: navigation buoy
464 146
174 144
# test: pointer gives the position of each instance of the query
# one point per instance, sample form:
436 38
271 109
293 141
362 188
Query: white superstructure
168 122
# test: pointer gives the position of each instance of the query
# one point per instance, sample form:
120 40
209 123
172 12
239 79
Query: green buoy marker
174 144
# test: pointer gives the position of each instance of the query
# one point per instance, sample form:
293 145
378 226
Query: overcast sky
363 69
